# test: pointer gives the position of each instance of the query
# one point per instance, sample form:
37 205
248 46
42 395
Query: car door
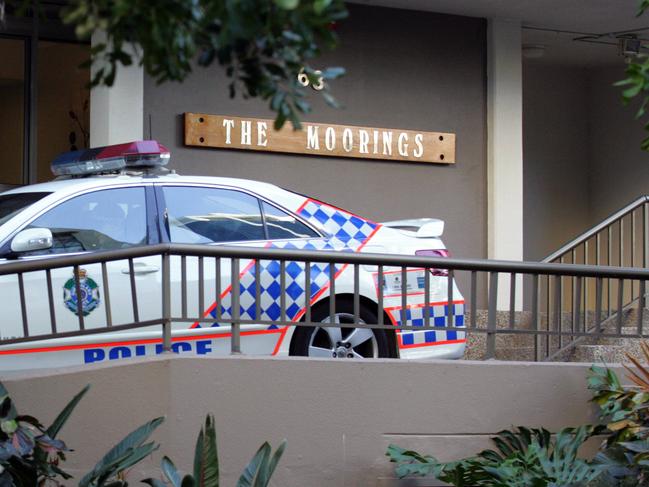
102 219
208 215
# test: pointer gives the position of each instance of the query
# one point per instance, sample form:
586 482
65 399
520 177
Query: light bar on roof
141 153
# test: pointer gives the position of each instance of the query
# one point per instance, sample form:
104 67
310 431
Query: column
117 112
505 149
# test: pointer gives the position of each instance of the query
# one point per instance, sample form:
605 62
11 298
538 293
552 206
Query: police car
122 196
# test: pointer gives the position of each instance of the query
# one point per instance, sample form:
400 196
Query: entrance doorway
44 97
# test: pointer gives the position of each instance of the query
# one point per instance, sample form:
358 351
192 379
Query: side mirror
32 239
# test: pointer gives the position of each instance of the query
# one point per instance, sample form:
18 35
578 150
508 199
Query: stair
611 350
519 347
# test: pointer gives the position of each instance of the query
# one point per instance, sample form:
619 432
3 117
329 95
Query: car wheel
343 342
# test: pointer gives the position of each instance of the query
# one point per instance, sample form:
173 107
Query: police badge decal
89 294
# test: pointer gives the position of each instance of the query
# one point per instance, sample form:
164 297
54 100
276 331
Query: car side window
102 220
281 225
210 215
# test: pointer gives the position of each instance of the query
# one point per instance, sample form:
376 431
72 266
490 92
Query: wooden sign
319 139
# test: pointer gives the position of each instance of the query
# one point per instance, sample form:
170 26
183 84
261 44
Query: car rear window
12 204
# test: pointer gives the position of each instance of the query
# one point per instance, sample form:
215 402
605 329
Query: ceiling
604 18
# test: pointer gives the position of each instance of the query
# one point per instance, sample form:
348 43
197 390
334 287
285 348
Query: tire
344 342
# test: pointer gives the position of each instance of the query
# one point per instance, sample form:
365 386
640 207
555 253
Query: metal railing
622 239
540 332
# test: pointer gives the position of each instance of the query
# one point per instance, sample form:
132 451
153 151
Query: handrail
587 235
372 259
597 245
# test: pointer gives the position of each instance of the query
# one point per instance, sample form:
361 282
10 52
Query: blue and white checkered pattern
438 317
349 232
346 228
270 290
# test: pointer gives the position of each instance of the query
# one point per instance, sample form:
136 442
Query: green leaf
250 471
277 100
123 452
7 408
303 106
63 416
644 4
266 473
330 100
206 460
9 426
170 471
279 120
287 4
333 72
633 91
320 5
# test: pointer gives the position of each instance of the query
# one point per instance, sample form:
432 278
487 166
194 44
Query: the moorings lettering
227 132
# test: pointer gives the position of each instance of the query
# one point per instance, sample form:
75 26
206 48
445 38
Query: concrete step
599 354
595 340
523 354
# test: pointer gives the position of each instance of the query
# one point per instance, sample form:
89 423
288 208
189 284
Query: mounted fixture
533 51
303 79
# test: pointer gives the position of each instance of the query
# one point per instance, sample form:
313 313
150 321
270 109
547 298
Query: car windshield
12 204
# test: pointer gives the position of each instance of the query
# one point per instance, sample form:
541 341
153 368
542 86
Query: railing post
166 302
235 343
535 317
491 319
641 305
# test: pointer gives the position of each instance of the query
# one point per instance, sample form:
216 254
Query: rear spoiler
421 227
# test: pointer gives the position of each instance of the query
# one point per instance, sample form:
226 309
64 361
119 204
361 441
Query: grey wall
406 69
582 156
338 416
619 169
555 155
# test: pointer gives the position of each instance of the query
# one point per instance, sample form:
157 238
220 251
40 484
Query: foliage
523 458
636 84
108 472
625 412
29 452
206 464
262 44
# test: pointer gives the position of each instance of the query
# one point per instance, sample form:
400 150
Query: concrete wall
406 69
619 171
556 156
338 416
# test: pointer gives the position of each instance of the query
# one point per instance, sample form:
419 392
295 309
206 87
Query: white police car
103 200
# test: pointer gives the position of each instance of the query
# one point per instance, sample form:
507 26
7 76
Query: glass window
103 220
12 112
210 215
283 225
12 204
63 121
